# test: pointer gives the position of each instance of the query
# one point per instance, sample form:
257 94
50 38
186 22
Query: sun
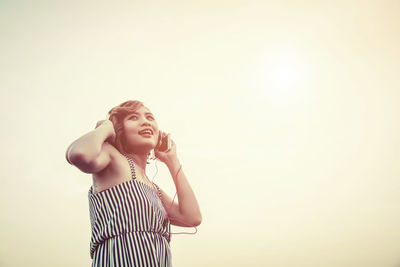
284 74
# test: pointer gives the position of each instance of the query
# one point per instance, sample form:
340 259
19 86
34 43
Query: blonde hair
116 116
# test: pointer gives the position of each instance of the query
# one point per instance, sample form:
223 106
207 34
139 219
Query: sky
284 113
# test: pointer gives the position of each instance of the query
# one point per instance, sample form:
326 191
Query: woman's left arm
187 211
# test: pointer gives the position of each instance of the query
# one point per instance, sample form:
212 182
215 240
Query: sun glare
284 75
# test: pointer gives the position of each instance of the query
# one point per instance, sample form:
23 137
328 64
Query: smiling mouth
146 132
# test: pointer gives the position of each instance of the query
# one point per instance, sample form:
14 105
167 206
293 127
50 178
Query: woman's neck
139 159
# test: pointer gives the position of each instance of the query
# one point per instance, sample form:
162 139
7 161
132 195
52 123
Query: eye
150 117
134 117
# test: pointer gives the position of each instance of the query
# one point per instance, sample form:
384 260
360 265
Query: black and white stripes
129 226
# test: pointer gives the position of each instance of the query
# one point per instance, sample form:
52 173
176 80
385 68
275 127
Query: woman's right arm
90 153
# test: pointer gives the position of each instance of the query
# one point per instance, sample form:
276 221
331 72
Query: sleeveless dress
129 226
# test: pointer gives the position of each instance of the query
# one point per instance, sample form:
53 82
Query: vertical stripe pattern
129 226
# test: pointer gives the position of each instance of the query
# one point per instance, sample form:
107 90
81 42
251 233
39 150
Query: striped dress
129 226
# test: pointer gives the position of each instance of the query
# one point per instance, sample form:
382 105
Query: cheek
129 131
156 128
130 127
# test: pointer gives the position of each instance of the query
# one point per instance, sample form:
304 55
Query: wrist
173 162
109 127
174 167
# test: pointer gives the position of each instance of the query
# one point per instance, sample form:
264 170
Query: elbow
76 158
196 221
191 220
80 161
83 165
72 156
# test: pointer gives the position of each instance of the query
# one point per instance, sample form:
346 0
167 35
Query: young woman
131 216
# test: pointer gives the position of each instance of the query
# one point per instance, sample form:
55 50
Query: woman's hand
107 123
101 122
168 156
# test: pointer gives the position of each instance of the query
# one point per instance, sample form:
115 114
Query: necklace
153 185
141 171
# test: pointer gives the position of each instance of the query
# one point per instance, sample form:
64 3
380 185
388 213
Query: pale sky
285 115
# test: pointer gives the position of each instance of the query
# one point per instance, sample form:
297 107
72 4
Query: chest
116 173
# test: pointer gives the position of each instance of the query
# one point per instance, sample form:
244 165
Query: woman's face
141 130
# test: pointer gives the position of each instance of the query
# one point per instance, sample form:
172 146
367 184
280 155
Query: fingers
99 123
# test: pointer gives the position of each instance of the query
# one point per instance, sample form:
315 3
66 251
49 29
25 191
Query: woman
130 216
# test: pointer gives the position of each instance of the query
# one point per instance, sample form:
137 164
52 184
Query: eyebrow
134 112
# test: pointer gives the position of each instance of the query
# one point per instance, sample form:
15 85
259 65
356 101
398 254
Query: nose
146 122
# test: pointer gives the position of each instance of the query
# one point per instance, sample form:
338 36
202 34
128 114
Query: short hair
116 116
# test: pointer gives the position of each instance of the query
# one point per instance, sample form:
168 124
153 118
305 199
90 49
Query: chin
139 145
143 148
